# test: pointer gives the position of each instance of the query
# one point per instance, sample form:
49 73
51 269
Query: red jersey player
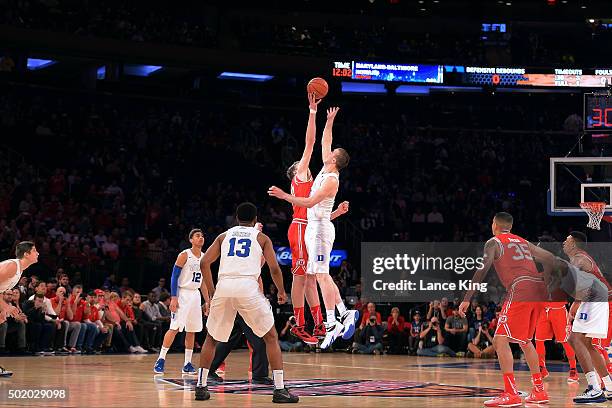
591 328
304 285
513 258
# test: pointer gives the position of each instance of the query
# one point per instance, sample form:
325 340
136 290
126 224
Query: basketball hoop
595 210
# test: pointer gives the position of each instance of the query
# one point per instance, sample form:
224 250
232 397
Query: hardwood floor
321 380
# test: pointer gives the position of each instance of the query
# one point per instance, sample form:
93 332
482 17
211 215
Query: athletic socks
330 317
188 354
163 352
341 308
279 383
510 384
607 382
317 316
593 381
538 384
571 355
202 377
298 312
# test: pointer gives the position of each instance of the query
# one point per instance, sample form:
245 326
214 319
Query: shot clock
598 111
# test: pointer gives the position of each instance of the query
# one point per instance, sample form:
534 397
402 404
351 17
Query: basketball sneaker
189 369
505 400
333 331
590 395
158 368
283 396
573 376
214 378
319 331
300 333
201 393
5 373
221 369
607 394
544 372
349 319
537 397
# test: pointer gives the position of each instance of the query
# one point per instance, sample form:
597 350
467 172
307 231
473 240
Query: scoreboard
388 72
458 75
598 111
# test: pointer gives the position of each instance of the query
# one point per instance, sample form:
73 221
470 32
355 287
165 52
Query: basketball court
322 380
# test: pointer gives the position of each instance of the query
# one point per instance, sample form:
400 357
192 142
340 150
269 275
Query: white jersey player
591 320
185 306
237 291
320 233
10 273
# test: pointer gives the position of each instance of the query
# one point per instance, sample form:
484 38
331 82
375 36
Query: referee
259 358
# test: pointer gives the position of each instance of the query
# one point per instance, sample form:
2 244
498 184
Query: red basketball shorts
299 255
519 316
553 322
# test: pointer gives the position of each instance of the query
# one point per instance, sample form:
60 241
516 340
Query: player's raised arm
491 252
311 133
275 270
211 255
327 190
326 141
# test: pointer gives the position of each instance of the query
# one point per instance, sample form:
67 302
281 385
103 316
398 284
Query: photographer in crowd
482 345
370 337
433 341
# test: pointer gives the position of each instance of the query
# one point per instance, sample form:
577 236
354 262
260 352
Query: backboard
578 179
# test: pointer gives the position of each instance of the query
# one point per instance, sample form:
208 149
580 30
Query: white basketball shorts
319 238
255 310
188 317
592 319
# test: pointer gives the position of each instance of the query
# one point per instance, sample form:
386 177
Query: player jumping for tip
303 284
320 233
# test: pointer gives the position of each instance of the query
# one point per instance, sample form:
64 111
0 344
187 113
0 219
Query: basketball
318 86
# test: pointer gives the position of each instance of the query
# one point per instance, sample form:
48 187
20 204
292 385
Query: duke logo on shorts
320 232
188 317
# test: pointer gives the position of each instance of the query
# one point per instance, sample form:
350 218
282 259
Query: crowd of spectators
59 317
196 24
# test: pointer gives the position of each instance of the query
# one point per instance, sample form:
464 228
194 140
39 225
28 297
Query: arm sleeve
176 272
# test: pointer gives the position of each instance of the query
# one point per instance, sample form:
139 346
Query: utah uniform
13 280
238 288
189 313
297 229
320 232
526 289
592 318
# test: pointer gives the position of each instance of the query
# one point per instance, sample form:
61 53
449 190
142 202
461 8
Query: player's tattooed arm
211 255
491 252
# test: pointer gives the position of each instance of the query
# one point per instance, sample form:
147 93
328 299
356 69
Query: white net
595 211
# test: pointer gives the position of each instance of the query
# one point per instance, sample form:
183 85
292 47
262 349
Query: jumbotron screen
389 72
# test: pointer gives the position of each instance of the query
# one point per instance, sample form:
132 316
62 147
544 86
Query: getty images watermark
421 271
